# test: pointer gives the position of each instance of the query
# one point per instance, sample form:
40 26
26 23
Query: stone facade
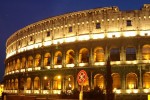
45 57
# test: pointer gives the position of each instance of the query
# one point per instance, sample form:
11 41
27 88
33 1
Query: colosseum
46 56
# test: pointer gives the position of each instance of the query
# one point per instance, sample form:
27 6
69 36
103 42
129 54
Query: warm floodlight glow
135 91
83 64
37 68
70 85
115 62
113 35
45 77
10 54
59 77
22 70
146 90
17 71
28 91
70 39
23 49
99 63
83 37
130 33
36 91
48 67
144 33
131 62
118 91
58 41
114 90
128 91
45 92
69 79
12 72
37 45
14 91
131 86
29 47
47 43
56 91
98 36
57 66
70 65
29 69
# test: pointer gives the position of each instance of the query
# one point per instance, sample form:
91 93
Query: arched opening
23 62
28 84
12 84
46 83
146 52
6 84
36 83
98 54
131 81
57 83
47 59
130 54
14 65
37 60
115 54
116 81
58 58
69 82
18 64
84 55
9 85
30 61
146 80
99 81
7 68
70 57
22 83
11 66
16 84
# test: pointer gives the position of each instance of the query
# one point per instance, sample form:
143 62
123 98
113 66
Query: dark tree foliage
94 94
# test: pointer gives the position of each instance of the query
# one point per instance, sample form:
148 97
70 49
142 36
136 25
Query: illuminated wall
45 57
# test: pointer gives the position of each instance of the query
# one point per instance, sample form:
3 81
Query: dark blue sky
15 14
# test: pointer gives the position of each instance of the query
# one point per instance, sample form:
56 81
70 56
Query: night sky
16 14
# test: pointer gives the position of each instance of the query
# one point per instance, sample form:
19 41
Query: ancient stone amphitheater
46 56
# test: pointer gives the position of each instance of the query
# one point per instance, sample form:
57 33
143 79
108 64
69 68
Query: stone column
122 54
91 80
76 58
33 65
41 84
91 57
42 60
52 60
25 85
32 85
63 84
63 59
123 80
106 53
139 53
140 78
51 85
26 63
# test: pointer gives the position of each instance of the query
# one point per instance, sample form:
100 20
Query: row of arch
71 57
69 82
